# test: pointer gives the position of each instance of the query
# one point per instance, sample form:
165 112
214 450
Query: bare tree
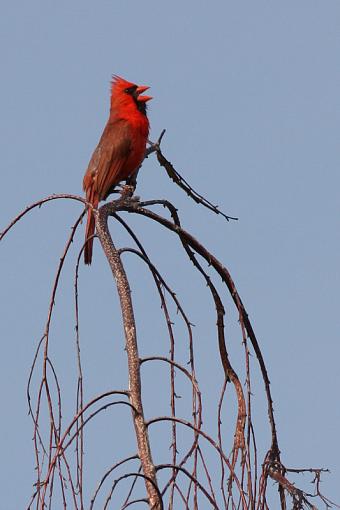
203 469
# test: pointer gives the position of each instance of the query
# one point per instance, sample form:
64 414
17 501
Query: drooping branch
273 456
148 482
226 278
230 374
38 204
108 473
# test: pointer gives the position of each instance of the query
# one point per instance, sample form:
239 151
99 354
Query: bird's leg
132 180
129 188
126 194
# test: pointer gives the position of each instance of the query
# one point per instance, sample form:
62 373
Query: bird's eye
130 90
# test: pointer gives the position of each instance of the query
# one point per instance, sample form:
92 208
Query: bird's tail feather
90 228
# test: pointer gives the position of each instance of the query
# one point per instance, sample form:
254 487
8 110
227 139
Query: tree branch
135 397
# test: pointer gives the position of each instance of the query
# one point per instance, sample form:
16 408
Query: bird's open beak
139 91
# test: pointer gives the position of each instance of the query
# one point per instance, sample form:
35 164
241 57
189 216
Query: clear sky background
249 94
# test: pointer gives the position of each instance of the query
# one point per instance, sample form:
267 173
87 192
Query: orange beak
139 91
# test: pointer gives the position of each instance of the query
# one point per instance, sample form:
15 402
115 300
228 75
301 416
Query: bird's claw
126 196
127 191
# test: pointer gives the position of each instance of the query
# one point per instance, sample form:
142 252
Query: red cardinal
120 150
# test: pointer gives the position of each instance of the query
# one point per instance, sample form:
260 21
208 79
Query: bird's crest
118 83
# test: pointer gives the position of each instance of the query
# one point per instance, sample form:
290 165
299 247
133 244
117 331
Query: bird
120 151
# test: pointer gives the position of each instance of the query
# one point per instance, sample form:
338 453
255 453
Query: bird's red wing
109 158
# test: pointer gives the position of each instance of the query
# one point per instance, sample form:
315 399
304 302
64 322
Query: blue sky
249 95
